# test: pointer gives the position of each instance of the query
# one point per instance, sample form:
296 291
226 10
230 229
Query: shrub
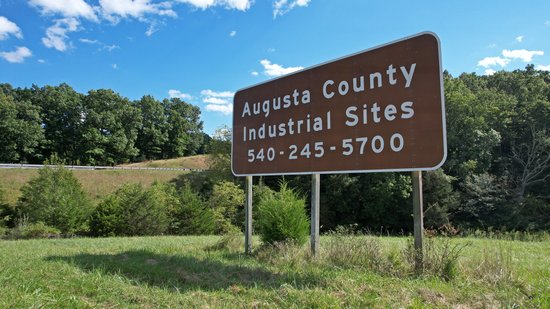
227 202
439 198
107 219
192 216
26 230
134 211
7 213
282 217
55 198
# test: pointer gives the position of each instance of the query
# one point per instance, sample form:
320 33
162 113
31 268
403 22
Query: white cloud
520 38
523 54
41 61
88 41
221 94
233 33
67 8
254 73
109 47
151 29
241 5
102 45
114 66
218 101
271 50
543 67
490 72
113 10
492 61
17 56
8 28
57 34
173 93
281 7
273 69
547 23
214 100
224 109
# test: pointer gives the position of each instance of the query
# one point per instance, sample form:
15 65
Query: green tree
471 142
220 154
109 128
56 198
61 112
185 134
20 130
439 198
153 132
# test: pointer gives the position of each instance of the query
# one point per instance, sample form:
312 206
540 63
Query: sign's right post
418 216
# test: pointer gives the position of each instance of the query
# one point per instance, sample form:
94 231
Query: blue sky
205 50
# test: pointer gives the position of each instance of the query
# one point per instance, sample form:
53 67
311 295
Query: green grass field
192 162
179 272
96 183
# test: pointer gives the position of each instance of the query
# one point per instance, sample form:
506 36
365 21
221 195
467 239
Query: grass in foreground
189 272
96 183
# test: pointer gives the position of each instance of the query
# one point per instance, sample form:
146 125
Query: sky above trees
203 51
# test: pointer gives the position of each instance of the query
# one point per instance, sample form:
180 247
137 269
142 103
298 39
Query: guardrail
80 167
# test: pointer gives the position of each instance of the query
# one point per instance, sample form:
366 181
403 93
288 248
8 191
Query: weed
232 242
287 253
25 230
440 257
494 267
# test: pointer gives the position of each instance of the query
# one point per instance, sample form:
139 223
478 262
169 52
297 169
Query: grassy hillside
96 183
178 272
192 162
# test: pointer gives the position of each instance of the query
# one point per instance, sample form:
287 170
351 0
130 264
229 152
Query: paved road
78 167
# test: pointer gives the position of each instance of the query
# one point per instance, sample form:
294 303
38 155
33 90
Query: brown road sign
378 110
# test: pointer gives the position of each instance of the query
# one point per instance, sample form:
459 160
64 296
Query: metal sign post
248 215
418 217
315 205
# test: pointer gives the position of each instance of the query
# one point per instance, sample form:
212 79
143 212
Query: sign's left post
248 214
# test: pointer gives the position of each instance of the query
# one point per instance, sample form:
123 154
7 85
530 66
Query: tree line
97 128
496 176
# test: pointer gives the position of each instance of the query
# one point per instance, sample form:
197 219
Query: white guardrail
80 167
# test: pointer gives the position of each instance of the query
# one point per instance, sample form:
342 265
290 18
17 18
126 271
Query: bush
282 217
192 216
55 198
439 198
7 213
134 211
26 230
227 202
107 219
